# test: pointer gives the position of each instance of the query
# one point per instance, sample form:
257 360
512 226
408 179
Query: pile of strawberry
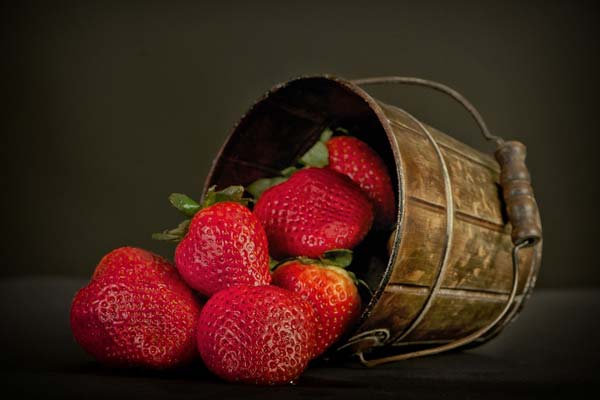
250 318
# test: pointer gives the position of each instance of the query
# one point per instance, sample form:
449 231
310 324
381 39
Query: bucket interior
284 124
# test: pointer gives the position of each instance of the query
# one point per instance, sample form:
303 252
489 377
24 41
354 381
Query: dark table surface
552 350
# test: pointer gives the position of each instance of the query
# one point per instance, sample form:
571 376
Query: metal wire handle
440 87
518 195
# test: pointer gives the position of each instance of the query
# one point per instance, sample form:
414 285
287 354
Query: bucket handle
515 180
521 207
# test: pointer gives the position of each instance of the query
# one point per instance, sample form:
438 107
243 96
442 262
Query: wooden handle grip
517 191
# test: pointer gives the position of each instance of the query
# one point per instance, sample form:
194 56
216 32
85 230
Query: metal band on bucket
448 237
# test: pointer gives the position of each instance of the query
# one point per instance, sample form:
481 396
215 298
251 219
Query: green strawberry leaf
190 207
327 134
317 156
173 235
306 260
258 187
289 171
232 193
184 204
273 263
338 257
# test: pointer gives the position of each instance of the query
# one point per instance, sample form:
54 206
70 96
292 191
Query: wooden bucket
449 275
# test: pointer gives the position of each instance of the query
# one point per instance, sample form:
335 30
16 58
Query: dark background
108 107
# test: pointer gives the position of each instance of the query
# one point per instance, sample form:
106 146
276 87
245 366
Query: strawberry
130 317
329 288
224 244
354 158
256 334
315 210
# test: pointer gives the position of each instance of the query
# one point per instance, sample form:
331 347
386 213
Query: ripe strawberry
256 334
223 246
128 317
315 210
354 158
330 289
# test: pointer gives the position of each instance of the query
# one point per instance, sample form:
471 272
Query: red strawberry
135 318
256 334
315 210
354 158
330 289
223 246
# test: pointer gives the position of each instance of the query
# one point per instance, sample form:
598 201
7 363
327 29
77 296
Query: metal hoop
449 234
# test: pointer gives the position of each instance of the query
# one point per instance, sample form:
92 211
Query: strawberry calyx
232 193
317 156
189 207
258 187
340 258
273 263
336 258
